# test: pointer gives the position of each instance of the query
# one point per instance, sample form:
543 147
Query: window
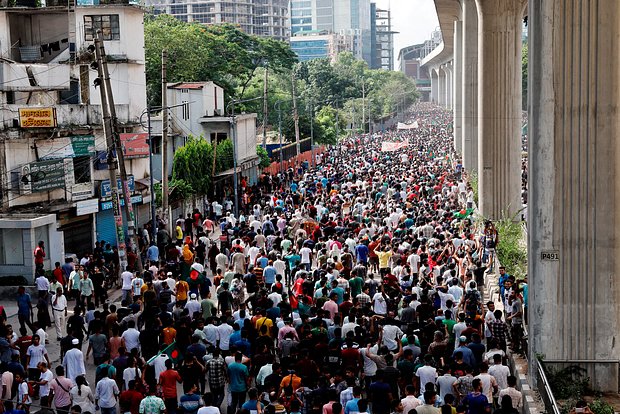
108 23
179 9
11 247
185 110
81 169
156 145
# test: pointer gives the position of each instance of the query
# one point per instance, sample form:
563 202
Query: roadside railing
544 388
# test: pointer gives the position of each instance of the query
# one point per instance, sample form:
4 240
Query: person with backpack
60 391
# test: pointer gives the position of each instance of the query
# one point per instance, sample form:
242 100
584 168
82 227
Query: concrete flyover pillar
434 84
441 93
449 85
499 107
457 88
574 189
469 107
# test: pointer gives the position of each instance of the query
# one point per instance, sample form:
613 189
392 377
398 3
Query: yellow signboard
37 117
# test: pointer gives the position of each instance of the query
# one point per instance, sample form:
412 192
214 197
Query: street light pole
312 164
277 105
152 179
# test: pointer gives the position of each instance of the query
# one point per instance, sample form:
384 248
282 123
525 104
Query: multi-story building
350 19
314 44
409 59
52 145
382 41
258 17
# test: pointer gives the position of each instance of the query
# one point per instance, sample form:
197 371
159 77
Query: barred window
108 23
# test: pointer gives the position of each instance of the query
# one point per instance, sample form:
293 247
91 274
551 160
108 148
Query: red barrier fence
274 168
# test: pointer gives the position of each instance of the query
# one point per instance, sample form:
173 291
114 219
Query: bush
568 383
512 247
601 407
473 181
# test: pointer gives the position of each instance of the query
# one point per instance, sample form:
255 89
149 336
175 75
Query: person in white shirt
159 363
44 383
515 395
500 372
410 402
192 305
489 384
126 277
36 354
379 303
224 330
59 310
391 335
426 374
136 286
131 337
211 332
73 361
306 257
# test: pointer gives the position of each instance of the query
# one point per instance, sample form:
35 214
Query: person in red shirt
130 399
168 383
58 274
39 255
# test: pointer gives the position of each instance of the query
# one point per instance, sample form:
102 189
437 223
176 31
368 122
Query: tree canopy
221 53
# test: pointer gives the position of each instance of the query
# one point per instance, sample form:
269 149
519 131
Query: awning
144 183
246 165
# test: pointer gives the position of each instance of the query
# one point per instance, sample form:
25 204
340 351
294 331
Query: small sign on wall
550 255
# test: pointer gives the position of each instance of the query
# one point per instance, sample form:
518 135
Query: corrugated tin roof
188 85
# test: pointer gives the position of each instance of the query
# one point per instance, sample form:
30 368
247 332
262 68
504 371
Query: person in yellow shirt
384 254
178 231
181 289
168 334
264 325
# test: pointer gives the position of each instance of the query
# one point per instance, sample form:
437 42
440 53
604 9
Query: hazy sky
413 19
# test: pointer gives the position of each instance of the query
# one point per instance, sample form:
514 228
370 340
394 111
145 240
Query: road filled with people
351 286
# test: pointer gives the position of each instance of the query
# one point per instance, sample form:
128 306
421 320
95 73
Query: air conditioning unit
218 112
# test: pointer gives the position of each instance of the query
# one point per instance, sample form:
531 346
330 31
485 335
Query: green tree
263 155
221 53
192 165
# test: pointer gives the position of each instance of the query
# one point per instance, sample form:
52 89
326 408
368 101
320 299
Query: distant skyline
413 19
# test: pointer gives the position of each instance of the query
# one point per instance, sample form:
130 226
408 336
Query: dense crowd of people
352 286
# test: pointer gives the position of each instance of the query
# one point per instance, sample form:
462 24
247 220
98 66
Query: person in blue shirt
152 254
294 187
24 308
236 335
252 404
503 277
476 402
468 355
238 375
269 274
361 254
338 291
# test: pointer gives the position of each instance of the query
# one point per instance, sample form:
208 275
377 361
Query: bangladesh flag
172 351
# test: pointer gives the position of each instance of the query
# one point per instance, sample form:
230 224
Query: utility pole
110 146
295 115
312 134
131 220
153 198
363 107
280 135
265 107
164 140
